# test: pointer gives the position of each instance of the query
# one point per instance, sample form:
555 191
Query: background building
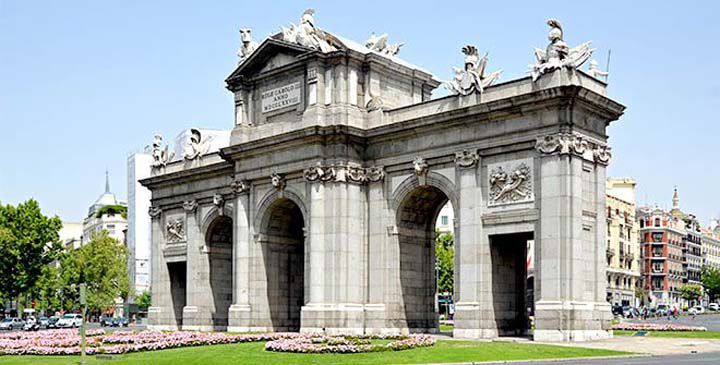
623 251
692 243
711 247
107 213
445 219
71 235
138 228
662 237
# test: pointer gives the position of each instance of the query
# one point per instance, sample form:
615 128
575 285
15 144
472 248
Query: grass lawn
446 328
676 334
254 353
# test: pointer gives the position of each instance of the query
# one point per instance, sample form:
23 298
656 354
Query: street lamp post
83 303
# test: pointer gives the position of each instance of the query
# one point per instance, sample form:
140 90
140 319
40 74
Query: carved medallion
466 159
420 166
319 172
510 183
570 143
154 212
190 205
374 174
355 173
278 181
602 154
239 186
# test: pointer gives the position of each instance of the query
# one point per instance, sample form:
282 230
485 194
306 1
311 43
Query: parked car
714 307
43 321
52 322
119 322
106 321
698 309
72 320
630 312
11 323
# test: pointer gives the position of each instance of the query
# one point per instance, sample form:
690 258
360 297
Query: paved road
694 359
96 325
710 321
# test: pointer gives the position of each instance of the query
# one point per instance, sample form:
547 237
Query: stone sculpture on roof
472 77
248 45
558 55
160 153
379 44
307 35
197 146
595 71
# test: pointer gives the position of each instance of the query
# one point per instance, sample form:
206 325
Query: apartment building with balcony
692 242
663 240
711 245
623 250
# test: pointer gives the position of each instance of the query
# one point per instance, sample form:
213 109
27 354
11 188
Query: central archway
283 250
416 221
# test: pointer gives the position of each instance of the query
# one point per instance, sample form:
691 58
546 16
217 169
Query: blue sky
83 83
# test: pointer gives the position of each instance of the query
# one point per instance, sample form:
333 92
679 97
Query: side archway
416 209
218 245
281 235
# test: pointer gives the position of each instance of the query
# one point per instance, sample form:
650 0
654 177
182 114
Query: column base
239 319
199 319
472 322
337 319
571 321
162 319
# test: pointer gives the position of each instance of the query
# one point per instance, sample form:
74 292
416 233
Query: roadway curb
563 359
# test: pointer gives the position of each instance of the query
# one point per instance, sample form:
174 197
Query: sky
85 83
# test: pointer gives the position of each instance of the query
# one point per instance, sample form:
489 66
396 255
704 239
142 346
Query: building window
657 222
444 220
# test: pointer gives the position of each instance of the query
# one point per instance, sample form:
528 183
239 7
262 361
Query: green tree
102 265
29 242
691 291
710 278
144 300
641 293
47 291
444 256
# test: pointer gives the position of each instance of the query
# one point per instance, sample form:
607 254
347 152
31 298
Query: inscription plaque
281 97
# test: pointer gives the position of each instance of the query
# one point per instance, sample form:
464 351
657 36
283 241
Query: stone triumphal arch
319 214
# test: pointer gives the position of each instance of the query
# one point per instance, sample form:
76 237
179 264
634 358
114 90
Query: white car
69 321
697 310
11 323
714 307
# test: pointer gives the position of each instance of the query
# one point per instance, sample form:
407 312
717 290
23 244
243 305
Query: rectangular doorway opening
178 285
509 259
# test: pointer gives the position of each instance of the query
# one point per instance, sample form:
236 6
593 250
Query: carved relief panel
510 182
175 230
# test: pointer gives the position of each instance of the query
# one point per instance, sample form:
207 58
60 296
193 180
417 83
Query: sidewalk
650 345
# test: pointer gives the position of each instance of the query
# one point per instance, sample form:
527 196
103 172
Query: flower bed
67 342
315 344
655 327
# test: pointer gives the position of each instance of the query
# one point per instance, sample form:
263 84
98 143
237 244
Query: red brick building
662 244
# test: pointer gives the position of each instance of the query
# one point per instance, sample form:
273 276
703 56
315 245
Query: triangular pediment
271 54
